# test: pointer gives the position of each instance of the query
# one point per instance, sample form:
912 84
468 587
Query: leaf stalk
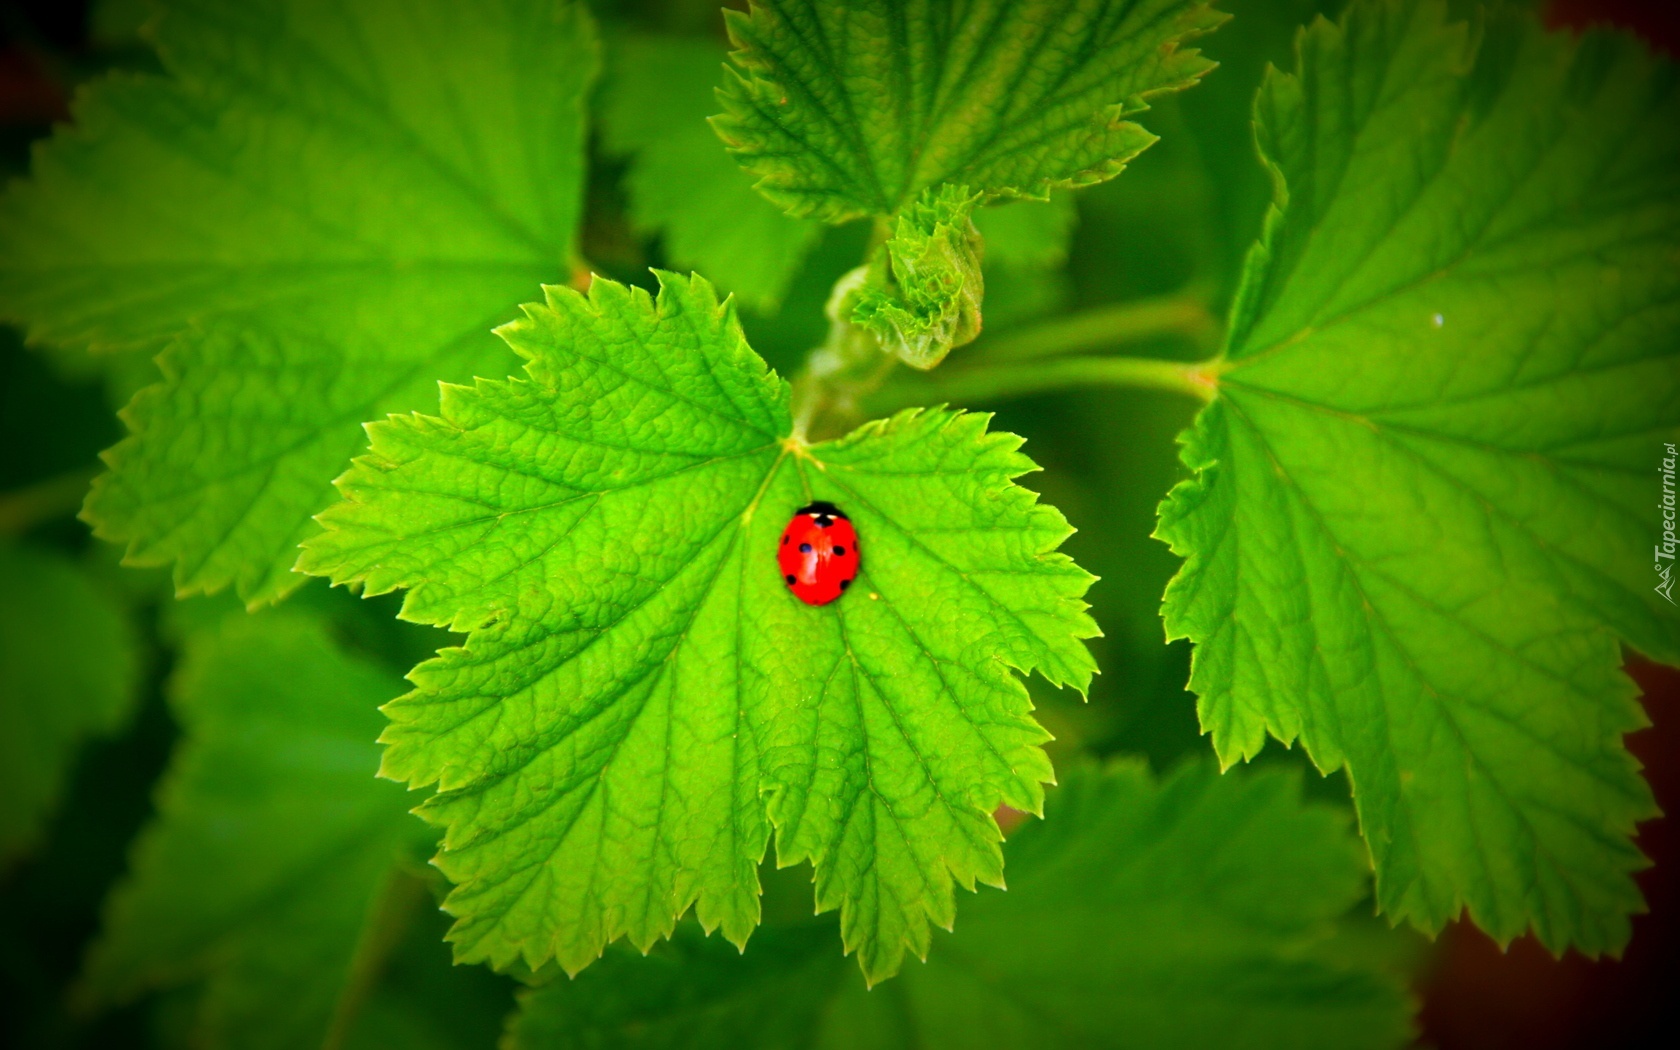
1182 314
989 383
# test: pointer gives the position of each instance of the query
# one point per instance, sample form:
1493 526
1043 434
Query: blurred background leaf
1192 910
278 869
69 670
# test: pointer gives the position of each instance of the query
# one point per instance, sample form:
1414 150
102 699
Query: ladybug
819 553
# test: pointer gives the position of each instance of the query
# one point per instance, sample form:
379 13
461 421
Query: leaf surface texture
317 211
1424 496
640 699
846 110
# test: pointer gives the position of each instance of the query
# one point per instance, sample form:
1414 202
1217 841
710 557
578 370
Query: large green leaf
68 670
1428 489
639 690
271 865
1192 912
320 210
844 110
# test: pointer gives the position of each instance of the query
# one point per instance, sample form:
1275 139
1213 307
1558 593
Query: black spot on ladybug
784 541
790 581
847 582
804 548
823 521
839 551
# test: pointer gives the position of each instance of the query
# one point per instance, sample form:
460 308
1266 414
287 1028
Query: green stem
394 908
56 497
987 384
1184 313
842 382
845 369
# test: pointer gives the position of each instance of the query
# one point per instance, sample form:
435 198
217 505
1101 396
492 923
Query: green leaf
320 210
1427 492
696 991
639 690
929 300
1191 912
68 671
845 110
682 183
271 864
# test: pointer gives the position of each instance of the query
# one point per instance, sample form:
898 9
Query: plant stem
842 381
394 908
1183 313
986 383
56 497
839 374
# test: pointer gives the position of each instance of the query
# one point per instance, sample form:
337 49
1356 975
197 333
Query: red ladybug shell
818 555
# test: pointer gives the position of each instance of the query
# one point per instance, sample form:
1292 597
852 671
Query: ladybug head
822 508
